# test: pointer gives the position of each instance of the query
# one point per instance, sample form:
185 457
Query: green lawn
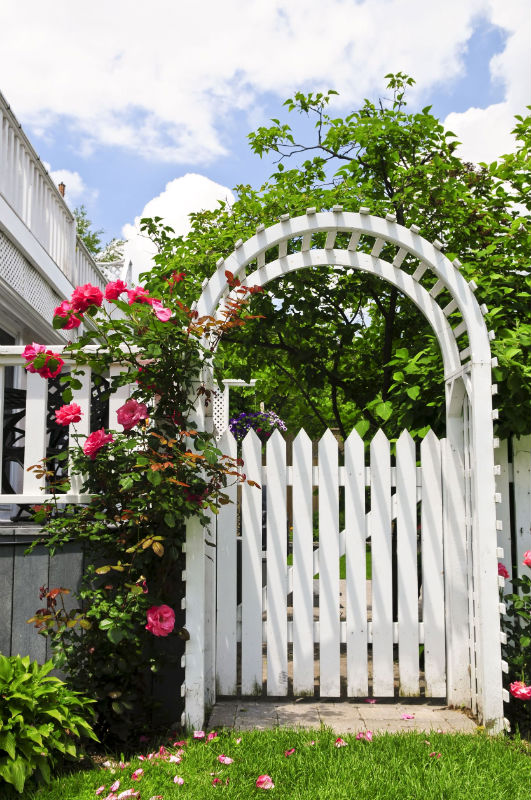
342 573
391 767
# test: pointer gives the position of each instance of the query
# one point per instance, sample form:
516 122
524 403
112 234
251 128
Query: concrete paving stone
341 710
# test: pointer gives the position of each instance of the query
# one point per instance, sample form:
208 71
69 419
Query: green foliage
40 721
145 482
330 345
91 238
516 624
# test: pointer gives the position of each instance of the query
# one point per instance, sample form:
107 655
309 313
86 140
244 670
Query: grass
342 567
391 767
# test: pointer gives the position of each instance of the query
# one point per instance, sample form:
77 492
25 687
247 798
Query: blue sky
121 103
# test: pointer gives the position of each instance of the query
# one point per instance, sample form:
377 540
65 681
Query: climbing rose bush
516 624
147 474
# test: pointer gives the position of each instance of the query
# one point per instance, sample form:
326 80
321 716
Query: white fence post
195 673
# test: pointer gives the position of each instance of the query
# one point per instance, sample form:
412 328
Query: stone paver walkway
342 716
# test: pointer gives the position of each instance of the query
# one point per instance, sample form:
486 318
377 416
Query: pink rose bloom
264 782
114 289
48 363
68 414
138 295
131 413
519 690
527 558
65 311
502 570
95 442
160 622
162 313
85 296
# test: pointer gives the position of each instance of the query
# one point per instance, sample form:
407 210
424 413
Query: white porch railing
30 192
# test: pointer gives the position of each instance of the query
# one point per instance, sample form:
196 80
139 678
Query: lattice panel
24 279
218 413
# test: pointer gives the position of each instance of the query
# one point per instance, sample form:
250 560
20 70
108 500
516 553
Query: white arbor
422 272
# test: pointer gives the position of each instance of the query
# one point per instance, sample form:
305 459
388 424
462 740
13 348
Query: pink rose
162 313
114 289
519 690
130 413
138 295
527 558
502 570
95 442
264 782
160 620
65 311
85 296
68 414
42 361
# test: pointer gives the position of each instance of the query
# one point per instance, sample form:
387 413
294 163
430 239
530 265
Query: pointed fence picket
351 625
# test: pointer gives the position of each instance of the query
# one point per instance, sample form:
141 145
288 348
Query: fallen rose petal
111 796
212 735
137 774
368 736
178 780
370 700
106 764
127 793
199 734
122 765
435 754
99 790
264 782
340 742
407 716
289 752
115 786
175 759
180 744
238 740
156 797
225 759
216 781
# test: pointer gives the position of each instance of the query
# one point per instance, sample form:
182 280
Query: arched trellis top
461 315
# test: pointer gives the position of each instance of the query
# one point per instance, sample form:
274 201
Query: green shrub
517 650
39 720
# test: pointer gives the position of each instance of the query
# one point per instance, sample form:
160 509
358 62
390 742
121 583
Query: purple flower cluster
263 422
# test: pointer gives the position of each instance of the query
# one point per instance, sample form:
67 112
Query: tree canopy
341 348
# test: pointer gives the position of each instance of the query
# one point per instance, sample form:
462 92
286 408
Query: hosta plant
41 721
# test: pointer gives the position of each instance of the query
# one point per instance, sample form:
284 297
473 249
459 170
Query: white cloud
76 190
180 198
485 132
163 82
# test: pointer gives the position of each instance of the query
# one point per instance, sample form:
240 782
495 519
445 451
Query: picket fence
295 609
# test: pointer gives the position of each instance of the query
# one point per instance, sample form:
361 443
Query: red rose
44 362
114 289
68 414
138 295
160 620
65 311
85 296
95 442
131 413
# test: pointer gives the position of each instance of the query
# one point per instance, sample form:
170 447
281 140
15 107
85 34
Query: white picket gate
277 626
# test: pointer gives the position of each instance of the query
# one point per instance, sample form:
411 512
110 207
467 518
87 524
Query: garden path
342 717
